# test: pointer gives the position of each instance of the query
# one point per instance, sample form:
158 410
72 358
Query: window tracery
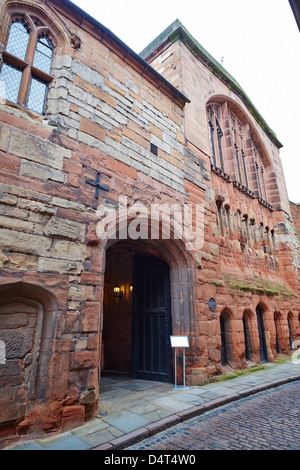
234 151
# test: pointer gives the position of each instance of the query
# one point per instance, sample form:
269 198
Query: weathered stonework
109 113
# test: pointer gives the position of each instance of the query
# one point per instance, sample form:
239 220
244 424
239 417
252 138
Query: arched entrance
153 300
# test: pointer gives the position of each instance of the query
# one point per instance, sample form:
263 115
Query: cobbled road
267 421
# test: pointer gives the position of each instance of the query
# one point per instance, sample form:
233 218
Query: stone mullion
250 155
228 148
26 77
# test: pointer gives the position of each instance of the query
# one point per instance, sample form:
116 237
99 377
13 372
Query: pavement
132 410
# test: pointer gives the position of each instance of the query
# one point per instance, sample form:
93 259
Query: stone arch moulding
27 318
60 34
245 118
180 261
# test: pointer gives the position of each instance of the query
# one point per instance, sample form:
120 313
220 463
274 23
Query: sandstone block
5 134
12 404
27 262
18 342
63 228
26 193
24 242
41 151
90 317
82 292
16 224
88 397
88 74
41 172
8 199
214 249
92 129
68 250
72 416
34 206
84 360
59 266
58 107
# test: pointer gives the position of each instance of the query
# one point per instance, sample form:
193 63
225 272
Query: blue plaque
212 304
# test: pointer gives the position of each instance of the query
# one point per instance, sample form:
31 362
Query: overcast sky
260 44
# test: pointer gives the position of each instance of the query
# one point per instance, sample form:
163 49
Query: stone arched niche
27 314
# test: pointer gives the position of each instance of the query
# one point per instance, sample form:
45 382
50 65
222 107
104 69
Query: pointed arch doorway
137 316
263 352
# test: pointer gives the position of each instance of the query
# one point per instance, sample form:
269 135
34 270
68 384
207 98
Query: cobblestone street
269 420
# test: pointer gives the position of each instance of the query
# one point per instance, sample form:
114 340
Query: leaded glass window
37 95
18 40
216 138
43 55
11 78
27 58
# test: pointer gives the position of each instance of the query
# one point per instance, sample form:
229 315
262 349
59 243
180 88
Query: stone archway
26 328
119 271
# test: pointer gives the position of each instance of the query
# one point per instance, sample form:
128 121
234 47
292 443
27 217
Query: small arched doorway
263 353
277 321
226 346
247 336
290 327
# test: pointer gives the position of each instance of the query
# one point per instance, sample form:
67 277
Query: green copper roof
177 31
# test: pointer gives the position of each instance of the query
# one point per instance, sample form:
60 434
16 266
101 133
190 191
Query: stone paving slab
130 411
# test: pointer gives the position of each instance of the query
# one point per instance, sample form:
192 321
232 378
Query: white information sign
179 341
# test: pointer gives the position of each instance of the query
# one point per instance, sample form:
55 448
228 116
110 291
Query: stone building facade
295 211
102 152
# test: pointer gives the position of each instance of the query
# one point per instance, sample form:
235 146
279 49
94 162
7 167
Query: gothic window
27 62
236 148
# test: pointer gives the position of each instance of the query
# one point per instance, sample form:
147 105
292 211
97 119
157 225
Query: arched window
263 352
277 322
290 326
247 336
226 347
27 61
236 149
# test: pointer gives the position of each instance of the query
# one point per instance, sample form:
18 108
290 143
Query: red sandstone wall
105 114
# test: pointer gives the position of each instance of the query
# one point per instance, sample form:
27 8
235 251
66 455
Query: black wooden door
151 319
262 337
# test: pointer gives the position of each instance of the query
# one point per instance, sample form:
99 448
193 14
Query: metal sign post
179 342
